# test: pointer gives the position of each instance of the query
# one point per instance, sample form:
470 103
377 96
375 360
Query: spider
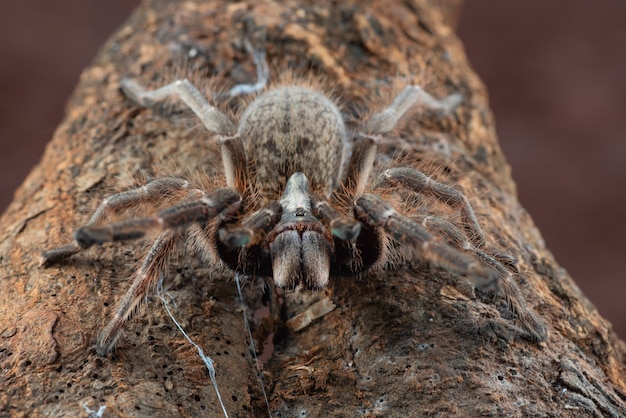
297 203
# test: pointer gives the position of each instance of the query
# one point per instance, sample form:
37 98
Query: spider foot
58 254
510 261
262 71
134 91
449 103
493 330
535 328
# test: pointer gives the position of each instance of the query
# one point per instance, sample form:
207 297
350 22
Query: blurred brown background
556 73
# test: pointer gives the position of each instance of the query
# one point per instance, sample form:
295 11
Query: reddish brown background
556 73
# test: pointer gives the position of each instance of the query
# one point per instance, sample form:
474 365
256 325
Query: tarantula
297 204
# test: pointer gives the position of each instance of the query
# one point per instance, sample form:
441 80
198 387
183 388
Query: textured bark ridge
407 342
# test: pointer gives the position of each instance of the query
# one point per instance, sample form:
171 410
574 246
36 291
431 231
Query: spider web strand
208 361
252 346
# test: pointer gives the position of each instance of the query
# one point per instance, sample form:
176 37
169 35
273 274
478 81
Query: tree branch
399 343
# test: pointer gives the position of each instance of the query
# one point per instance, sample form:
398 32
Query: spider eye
300 211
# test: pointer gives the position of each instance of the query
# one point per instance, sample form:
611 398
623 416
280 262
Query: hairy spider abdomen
294 129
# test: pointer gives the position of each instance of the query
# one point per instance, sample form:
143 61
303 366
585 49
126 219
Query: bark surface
405 342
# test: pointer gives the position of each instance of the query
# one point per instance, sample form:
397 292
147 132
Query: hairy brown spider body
294 129
298 204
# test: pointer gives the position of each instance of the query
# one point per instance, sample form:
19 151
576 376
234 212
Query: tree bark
402 342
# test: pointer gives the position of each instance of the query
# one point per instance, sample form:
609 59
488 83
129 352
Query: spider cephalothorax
298 204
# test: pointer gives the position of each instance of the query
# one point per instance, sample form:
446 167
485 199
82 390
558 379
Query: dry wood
401 343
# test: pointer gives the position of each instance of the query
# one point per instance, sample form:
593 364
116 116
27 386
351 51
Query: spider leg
385 121
262 73
213 120
253 227
144 280
361 163
373 210
235 163
340 226
457 239
150 192
504 285
419 182
221 201
233 156
381 123
516 304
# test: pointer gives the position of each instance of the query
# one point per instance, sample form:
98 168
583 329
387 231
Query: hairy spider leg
213 120
383 122
144 281
262 73
419 182
503 286
361 163
372 210
216 122
516 303
221 201
114 204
